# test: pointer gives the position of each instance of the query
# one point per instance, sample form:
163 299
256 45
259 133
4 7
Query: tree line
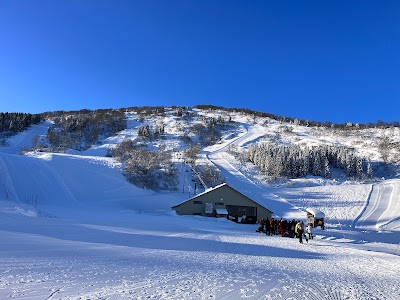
293 161
80 130
16 122
328 124
12 123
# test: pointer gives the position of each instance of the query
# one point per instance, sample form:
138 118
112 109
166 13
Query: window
238 211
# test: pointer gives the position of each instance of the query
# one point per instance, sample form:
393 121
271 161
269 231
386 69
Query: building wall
219 198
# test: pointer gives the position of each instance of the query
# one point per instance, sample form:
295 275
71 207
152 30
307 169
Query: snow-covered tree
384 147
359 168
293 161
327 172
369 169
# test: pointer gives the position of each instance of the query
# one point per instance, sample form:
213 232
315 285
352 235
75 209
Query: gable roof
209 190
317 213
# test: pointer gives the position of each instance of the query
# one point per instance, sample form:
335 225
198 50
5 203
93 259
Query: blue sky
333 61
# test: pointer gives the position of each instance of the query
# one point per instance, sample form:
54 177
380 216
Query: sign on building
209 208
310 220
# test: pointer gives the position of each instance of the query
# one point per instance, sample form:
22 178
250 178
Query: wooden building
224 201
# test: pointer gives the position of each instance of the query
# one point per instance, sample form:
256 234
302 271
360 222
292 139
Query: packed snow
72 227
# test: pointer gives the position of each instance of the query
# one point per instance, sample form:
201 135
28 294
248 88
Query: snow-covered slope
139 256
382 209
24 139
56 182
71 227
218 156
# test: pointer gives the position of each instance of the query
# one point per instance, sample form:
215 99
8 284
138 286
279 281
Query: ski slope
217 155
69 181
382 210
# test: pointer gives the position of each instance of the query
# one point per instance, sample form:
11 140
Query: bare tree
384 148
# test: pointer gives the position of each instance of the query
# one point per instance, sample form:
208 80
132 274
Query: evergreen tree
327 172
359 168
294 162
369 169
316 170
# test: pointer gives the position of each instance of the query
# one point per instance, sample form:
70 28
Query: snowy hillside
73 227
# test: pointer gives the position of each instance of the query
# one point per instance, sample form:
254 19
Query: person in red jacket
281 230
272 226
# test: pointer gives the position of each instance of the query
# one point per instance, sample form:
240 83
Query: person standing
299 230
272 226
309 231
291 230
267 227
281 231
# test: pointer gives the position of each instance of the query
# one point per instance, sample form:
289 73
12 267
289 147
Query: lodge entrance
242 214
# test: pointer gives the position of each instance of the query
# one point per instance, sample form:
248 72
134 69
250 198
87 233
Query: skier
299 230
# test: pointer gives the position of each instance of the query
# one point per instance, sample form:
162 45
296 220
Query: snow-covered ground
71 227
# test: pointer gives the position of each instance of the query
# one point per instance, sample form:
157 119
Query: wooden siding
225 195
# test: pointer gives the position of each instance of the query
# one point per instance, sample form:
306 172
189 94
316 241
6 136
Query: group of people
286 228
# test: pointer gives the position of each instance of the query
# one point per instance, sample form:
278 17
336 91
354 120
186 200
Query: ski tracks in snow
234 177
382 209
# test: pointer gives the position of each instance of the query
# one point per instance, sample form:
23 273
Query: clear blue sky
333 61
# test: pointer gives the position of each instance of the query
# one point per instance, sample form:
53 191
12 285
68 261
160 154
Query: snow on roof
217 187
200 194
317 213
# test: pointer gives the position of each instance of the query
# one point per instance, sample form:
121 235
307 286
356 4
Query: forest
293 161
12 123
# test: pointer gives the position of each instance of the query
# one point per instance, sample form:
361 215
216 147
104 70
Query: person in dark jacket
292 225
267 227
261 228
